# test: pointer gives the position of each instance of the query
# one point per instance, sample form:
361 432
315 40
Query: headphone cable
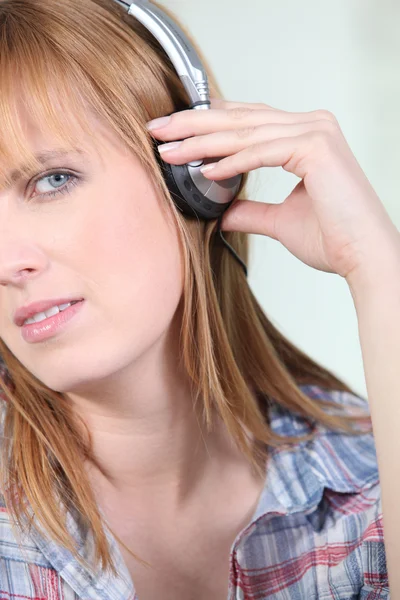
231 250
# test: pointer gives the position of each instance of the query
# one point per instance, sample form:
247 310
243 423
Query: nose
18 262
20 254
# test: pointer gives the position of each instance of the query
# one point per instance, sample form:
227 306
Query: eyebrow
43 158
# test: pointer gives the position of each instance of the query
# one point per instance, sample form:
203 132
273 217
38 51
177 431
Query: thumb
251 216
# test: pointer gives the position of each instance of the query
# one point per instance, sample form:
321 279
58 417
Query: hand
333 219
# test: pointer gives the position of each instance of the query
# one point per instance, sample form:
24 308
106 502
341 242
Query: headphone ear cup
167 171
186 195
204 209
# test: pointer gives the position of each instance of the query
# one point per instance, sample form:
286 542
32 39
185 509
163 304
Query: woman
165 440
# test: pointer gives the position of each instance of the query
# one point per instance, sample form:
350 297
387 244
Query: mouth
41 309
49 313
54 324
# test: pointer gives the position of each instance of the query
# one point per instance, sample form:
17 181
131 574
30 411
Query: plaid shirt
317 531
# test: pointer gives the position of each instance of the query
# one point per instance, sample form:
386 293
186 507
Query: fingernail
158 123
208 167
165 147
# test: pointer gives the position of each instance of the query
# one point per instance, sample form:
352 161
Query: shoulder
334 480
319 517
342 461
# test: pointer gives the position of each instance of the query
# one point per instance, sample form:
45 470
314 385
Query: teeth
64 306
51 312
48 313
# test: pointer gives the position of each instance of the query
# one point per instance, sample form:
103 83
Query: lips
26 312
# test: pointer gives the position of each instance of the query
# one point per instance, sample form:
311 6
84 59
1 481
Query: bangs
39 91
63 62
52 82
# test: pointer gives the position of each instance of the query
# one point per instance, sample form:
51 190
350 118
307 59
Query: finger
228 143
250 216
189 123
288 153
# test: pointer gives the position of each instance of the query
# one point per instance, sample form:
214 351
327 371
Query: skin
108 241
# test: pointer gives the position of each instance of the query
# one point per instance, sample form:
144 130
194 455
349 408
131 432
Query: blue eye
59 181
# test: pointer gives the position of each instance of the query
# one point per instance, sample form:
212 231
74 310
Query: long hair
64 58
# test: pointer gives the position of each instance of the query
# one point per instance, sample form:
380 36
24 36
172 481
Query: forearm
376 294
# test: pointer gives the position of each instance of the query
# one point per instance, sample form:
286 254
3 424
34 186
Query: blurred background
302 56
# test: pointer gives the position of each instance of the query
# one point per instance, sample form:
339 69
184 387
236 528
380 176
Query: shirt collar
95 583
296 476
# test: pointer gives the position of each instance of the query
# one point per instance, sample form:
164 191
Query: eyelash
65 189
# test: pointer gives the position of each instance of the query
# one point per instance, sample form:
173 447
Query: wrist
379 267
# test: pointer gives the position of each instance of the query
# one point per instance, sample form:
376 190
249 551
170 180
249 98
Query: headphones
193 194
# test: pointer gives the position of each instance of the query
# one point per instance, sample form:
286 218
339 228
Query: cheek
122 254
132 263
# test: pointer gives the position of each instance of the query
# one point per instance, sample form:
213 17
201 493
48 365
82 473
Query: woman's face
101 236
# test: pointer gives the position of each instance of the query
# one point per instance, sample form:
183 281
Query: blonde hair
63 58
